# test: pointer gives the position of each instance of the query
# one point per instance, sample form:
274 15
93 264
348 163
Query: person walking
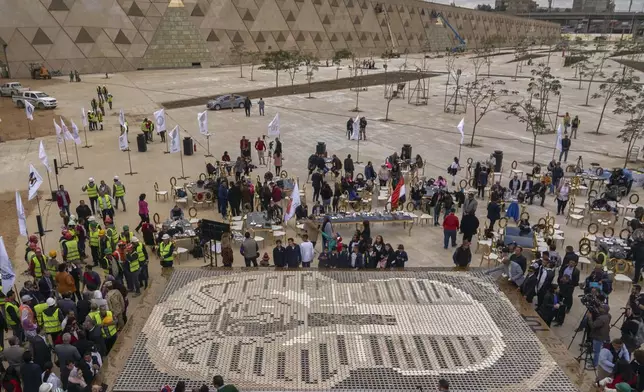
363 128
250 250
277 162
63 200
92 193
260 146
348 166
469 226
260 105
144 212
565 147
462 256
247 105
119 192
574 126
563 193
450 227
349 128
493 213
132 268
316 183
566 121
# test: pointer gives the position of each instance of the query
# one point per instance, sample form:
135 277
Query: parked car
226 102
12 88
39 99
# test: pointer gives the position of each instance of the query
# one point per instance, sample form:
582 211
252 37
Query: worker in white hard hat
166 251
92 192
118 190
52 319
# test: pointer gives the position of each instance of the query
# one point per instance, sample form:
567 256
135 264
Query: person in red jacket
63 200
450 226
244 146
260 146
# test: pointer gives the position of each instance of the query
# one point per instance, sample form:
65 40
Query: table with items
524 239
371 217
614 247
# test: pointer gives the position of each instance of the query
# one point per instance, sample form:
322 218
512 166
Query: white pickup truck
39 99
12 88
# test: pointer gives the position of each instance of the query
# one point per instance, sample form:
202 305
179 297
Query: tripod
621 316
586 354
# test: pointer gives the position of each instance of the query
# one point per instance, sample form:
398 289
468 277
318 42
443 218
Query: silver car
226 102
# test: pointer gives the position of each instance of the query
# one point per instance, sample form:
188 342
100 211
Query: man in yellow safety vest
107 321
92 193
143 262
132 270
52 319
166 251
111 233
94 229
126 235
37 264
70 248
12 314
105 205
118 190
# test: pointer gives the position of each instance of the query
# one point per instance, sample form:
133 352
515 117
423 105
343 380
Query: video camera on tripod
592 302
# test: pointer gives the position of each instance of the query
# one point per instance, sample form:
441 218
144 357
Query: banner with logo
59 133
35 181
274 126
202 118
159 119
22 218
29 110
175 140
42 155
123 145
75 134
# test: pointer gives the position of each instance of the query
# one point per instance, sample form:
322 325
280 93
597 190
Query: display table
372 218
525 240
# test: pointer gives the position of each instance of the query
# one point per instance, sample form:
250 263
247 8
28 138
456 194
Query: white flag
355 134
123 145
75 133
29 110
22 218
66 133
35 181
59 133
559 137
274 126
202 119
175 140
460 127
121 117
159 119
84 117
292 204
42 155
6 269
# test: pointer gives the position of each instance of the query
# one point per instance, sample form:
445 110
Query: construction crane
459 48
393 52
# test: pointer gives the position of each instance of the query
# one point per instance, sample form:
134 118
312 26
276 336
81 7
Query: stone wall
97 36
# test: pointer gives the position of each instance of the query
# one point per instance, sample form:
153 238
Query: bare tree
482 94
614 86
312 64
254 57
520 51
590 70
532 109
631 105
238 51
277 61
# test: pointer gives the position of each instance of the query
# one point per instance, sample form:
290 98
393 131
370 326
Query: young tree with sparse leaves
277 61
254 58
293 66
312 64
591 69
238 51
520 50
533 108
631 105
482 94
615 86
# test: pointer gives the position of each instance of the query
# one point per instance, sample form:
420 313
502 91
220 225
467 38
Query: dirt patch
492 55
15 126
327 85
636 65
526 57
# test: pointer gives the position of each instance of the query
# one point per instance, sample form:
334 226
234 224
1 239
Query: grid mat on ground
313 330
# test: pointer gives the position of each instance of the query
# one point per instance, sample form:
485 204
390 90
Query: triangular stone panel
64 48
212 37
248 17
57 5
83 37
135 10
237 38
41 38
308 19
224 17
290 17
260 38
326 20
121 39
269 18
197 11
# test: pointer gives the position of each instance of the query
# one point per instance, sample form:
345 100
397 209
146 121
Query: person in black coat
41 351
234 199
348 166
530 284
30 373
469 226
548 307
292 254
349 128
279 254
493 213
316 183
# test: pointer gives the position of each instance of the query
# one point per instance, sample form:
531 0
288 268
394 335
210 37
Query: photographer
636 301
599 324
630 328
608 357
600 277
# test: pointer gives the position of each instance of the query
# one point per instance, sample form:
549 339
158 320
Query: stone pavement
304 122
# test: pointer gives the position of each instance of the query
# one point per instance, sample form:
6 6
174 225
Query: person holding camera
599 325
636 301
608 357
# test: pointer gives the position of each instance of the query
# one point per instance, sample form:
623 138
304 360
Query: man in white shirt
306 251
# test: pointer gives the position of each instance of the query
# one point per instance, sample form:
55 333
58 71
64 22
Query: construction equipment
39 71
462 43
393 51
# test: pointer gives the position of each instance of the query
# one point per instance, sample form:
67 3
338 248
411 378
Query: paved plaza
304 122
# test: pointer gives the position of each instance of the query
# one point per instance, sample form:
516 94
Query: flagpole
42 244
167 145
60 157
358 154
29 127
77 160
51 190
208 155
459 151
68 163
86 145
129 159
183 176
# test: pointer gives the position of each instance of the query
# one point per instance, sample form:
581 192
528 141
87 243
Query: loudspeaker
55 166
41 229
406 152
320 148
211 230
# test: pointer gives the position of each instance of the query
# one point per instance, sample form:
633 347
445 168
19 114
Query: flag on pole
35 181
159 119
121 118
22 218
397 194
123 144
59 133
42 155
6 269
460 127
175 140
84 117
29 110
202 119
559 137
66 133
355 134
274 126
75 133
292 204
